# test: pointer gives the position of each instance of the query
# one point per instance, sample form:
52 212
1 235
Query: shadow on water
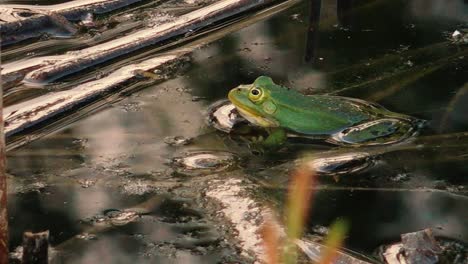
395 52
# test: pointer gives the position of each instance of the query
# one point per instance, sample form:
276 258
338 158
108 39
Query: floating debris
88 21
341 163
114 217
38 187
420 247
204 162
131 107
81 142
453 251
86 183
16 255
296 17
460 36
119 218
423 247
139 187
400 177
86 236
319 230
223 116
198 98
177 141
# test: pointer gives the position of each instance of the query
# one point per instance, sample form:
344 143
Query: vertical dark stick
312 30
342 11
3 189
35 248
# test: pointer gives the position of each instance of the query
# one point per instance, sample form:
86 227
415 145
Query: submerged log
20 22
47 69
35 248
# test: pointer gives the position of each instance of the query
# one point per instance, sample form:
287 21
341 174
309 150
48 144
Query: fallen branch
20 22
47 69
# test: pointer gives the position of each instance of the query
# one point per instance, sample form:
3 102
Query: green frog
339 120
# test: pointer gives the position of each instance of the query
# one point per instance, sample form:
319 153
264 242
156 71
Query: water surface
396 53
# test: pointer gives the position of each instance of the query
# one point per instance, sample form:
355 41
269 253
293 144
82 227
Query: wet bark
35 248
3 191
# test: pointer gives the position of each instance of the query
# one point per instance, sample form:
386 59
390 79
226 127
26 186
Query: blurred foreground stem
299 203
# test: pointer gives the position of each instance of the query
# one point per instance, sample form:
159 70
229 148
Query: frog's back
321 114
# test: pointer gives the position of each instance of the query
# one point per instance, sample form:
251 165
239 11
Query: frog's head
254 102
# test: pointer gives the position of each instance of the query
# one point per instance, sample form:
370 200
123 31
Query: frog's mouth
249 113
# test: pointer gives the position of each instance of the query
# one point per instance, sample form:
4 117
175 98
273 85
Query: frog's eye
255 94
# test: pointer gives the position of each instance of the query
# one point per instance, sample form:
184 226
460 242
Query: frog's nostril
238 89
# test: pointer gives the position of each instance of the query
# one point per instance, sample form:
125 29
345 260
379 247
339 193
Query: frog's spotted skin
343 120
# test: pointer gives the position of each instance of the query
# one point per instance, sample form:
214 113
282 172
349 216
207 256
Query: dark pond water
397 53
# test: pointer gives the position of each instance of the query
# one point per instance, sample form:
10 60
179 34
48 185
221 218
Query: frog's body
342 119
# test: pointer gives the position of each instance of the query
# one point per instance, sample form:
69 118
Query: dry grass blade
299 203
334 241
271 242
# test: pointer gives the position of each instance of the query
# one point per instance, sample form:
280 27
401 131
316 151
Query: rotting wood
47 69
20 22
35 248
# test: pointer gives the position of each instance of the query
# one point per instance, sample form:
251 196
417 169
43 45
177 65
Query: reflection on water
393 52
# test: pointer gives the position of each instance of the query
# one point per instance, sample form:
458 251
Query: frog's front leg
276 138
